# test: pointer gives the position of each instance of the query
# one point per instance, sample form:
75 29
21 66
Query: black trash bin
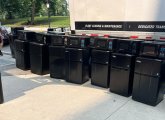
39 54
57 56
1 91
148 81
149 77
14 30
122 71
122 68
100 61
91 47
12 37
22 54
77 59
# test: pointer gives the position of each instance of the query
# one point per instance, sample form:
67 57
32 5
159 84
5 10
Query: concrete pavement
32 97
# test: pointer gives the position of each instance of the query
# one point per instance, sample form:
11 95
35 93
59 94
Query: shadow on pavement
17 82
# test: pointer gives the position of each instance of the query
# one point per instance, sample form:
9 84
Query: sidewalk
6 59
32 97
6 50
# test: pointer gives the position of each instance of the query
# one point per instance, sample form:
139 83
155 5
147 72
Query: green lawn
56 21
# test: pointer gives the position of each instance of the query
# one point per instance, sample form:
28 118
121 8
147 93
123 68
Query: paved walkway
32 97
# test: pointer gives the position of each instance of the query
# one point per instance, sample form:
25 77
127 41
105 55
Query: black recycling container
91 47
57 56
149 77
26 35
77 65
100 68
77 59
122 73
22 54
149 81
14 30
100 61
12 37
39 54
123 65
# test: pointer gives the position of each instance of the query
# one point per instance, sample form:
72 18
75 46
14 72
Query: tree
10 8
2 11
53 7
33 8
62 7
25 9
58 7
30 8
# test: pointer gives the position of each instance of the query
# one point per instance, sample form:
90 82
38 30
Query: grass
56 21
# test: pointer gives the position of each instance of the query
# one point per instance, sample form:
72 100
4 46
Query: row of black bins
32 52
69 62
14 35
108 61
137 69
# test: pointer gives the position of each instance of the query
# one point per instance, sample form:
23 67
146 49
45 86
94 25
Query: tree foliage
10 9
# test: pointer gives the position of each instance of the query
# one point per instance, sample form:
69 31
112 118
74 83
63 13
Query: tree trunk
33 11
